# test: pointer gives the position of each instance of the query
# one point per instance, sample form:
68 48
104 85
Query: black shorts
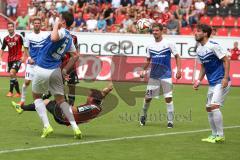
56 111
73 77
14 65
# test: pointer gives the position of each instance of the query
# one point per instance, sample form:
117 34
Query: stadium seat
217 21
211 11
185 31
223 11
229 21
235 32
173 8
205 20
235 11
222 32
238 22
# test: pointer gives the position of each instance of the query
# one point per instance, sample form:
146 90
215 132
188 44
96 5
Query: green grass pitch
106 136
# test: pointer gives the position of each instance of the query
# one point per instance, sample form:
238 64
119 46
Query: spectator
63 7
125 3
199 6
235 52
79 22
52 20
151 3
162 4
101 24
32 10
192 17
116 4
126 25
12 7
173 26
185 5
22 21
91 23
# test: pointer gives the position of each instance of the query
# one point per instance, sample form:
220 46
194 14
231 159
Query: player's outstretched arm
107 90
54 34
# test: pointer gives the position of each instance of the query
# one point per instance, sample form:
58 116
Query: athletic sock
42 112
71 99
17 86
12 82
170 112
67 110
29 107
218 121
23 96
145 108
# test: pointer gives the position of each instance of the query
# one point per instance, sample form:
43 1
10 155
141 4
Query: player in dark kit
14 42
82 113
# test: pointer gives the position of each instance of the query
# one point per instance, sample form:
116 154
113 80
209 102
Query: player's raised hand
142 73
196 84
65 75
178 74
224 83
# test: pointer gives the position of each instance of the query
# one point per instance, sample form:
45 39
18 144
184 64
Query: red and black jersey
14 44
67 55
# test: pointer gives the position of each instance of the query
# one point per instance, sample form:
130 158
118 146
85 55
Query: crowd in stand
115 15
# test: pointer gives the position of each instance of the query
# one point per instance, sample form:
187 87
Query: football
143 24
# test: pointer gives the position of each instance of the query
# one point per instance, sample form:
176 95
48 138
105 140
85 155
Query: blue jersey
210 56
51 54
34 42
160 54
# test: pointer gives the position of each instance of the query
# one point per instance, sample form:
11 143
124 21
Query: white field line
108 140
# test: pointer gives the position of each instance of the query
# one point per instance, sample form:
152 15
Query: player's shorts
73 77
216 94
157 87
45 80
29 74
14 65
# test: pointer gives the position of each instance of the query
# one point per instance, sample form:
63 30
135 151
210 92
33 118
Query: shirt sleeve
61 33
148 53
72 48
219 51
4 45
173 49
26 42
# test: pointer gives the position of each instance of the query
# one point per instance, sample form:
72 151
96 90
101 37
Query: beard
198 39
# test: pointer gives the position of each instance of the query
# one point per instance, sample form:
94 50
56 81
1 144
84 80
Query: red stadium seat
217 21
235 32
238 22
185 31
205 20
222 32
229 21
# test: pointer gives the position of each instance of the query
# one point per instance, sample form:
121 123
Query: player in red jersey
82 113
14 42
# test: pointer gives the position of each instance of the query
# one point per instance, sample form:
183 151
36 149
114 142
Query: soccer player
159 55
32 47
14 42
48 76
215 65
82 113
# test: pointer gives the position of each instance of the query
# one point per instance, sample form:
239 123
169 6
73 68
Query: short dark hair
205 28
11 23
68 17
158 25
97 96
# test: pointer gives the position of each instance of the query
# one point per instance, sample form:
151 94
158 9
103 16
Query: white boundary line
108 140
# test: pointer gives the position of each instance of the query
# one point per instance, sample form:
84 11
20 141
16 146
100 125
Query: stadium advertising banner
109 44
125 68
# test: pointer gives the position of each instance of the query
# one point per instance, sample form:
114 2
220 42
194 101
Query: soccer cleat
9 94
17 95
77 133
219 139
21 103
210 139
17 107
142 120
47 131
170 125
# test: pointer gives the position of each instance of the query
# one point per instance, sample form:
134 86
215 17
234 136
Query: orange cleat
10 94
17 95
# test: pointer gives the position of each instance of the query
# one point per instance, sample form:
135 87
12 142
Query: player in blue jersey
159 55
32 45
48 76
215 65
